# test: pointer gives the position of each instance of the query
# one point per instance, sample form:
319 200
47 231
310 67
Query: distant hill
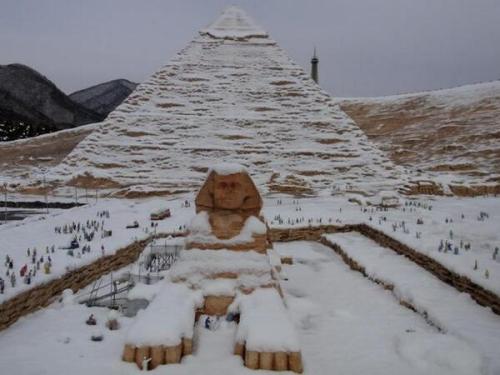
105 97
30 104
454 131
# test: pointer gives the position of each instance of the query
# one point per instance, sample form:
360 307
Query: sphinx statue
224 271
230 204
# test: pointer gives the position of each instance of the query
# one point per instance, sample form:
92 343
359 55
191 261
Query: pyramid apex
234 23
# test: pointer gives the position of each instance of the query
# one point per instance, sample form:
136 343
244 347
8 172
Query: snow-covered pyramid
231 95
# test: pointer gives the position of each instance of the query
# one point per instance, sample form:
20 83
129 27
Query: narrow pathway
455 312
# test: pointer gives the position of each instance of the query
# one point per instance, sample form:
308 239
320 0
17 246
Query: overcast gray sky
366 47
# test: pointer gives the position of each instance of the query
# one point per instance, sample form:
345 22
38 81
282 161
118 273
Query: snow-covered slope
231 95
454 131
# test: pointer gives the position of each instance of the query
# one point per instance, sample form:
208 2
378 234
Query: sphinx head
229 189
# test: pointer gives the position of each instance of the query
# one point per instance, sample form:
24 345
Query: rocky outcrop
105 97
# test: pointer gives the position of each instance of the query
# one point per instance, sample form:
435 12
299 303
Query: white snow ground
346 324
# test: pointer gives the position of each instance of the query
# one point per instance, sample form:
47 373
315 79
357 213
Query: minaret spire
314 67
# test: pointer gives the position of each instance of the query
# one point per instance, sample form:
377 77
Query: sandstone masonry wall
475 191
306 233
431 188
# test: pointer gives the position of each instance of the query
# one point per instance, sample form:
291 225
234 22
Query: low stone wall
273 361
39 204
159 354
462 283
475 190
44 294
422 188
432 188
306 233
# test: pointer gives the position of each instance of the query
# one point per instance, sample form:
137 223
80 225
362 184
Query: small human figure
2 285
13 279
145 363
91 321
23 270
207 322
46 268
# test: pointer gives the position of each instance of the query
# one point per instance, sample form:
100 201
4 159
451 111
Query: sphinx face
229 191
